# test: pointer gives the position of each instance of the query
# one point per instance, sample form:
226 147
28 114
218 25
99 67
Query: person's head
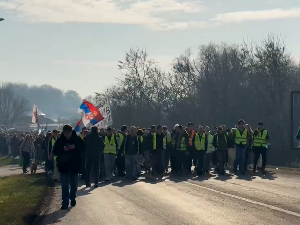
179 128
260 125
165 129
48 135
206 129
153 129
132 131
159 129
247 127
140 133
113 131
27 138
102 132
54 133
190 126
241 124
85 133
146 132
124 129
109 131
200 129
220 130
93 130
67 131
176 126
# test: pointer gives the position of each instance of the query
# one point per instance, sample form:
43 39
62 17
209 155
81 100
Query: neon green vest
200 142
110 146
240 138
169 138
182 144
210 146
261 139
121 138
164 142
52 144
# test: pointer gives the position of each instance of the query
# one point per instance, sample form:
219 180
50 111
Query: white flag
35 114
105 111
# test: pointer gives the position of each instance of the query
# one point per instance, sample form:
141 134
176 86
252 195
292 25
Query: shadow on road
54 217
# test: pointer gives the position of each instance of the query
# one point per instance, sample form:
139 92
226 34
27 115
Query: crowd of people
124 153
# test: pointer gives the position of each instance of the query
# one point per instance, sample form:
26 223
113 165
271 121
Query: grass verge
22 198
5 161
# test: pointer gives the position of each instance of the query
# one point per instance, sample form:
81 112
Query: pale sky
76 44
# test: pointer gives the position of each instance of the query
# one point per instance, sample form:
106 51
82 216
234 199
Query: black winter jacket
68 161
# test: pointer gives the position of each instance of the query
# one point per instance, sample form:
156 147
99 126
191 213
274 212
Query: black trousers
26 160
221 155
95 165
158 161
120 163
183 161
200 157
257 152
173 160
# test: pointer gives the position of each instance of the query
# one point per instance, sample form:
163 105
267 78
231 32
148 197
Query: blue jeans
240 159
69 183
131 166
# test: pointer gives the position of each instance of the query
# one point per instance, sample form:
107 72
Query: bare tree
12 106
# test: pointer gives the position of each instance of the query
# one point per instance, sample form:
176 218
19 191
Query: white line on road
240 198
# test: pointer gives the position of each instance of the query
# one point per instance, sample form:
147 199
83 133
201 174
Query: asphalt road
272 199
15 170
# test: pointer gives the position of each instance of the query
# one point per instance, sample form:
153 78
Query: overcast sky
75 44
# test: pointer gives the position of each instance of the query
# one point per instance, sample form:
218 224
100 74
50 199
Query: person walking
68 149
220 143
131 148
260 146
25 150
240 136
94 147
110 153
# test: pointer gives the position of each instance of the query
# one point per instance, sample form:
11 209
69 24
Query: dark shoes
96 186
73 203
64 207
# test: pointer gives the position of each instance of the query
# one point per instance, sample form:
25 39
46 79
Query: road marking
240 198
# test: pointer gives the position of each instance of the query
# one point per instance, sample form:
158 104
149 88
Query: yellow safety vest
240 138
261 139
182 144
52 143
110 146
121 138
81 137
210 146
141 138
200 142
164 142
169 138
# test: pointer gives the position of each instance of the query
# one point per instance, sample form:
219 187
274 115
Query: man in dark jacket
68 149
94 146
131 148
220 143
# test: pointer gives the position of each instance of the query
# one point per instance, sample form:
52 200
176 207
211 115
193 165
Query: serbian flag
91 115
78 126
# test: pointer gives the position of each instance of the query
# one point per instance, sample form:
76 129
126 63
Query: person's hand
50 157
66 148
71 146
